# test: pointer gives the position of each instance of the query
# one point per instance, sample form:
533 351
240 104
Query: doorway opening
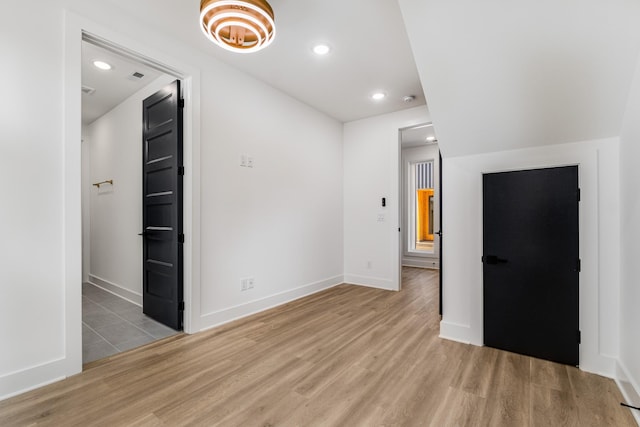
422 211
114 85
420 205
420 190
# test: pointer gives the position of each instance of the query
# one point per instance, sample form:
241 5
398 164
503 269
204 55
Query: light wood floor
424 246
349 356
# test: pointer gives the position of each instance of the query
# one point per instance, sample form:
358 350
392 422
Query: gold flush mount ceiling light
238 25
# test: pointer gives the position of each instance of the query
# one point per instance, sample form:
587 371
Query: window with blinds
424 175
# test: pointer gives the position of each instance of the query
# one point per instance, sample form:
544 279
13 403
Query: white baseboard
31 378
455 332
371 282
420 262
220 317
419 265
629 388
598 364
117 290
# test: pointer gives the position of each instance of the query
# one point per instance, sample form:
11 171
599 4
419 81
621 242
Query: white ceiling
112 86
505 75
416 136
498 76
370 51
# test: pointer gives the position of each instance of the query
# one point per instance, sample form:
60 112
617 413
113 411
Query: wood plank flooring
348 356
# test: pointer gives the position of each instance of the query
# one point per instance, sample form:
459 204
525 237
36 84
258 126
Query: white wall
280 221
86 204
371 171
599 242
413 258
629 369
31 173
115 248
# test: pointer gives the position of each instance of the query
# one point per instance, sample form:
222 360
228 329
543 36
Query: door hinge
579 337
578 194
180 170
181 306
579 265
180 238
398 229
181 103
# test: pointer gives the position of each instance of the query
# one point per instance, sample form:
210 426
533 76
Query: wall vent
88 90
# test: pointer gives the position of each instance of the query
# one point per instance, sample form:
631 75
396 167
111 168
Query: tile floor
112 325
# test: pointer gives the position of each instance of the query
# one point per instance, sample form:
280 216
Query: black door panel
439 233
162 206
530 239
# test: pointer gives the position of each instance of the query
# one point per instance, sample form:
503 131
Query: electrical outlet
243 160
246 283
249 162
380 217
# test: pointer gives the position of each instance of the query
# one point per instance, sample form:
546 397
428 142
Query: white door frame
402 200
76 27
409 207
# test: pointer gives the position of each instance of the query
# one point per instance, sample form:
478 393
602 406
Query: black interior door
439 232
162 206
531 262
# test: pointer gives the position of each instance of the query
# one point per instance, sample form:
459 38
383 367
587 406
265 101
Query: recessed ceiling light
102 65
431 139
321 49
378 96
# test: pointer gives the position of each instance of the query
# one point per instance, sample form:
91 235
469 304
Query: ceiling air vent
88 90
137 75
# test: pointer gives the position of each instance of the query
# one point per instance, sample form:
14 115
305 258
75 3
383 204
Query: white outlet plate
246 283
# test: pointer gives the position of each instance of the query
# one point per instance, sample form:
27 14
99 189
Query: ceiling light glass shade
238 25
378 96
